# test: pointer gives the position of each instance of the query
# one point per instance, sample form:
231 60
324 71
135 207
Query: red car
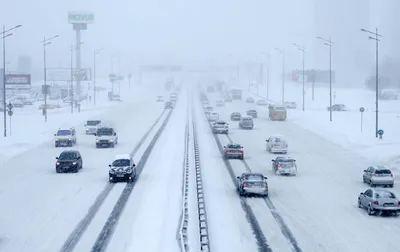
233 150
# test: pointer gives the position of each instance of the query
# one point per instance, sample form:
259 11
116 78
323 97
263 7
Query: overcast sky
175 31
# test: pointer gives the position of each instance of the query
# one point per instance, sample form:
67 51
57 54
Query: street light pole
4 36
376 38
283 73
46 42
328 42
303 50
95 53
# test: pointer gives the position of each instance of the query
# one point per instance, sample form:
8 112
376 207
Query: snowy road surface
43 207
150 218
320 204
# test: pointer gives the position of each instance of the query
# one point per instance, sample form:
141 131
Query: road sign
381 132
10 106
80 17
10 113
362 109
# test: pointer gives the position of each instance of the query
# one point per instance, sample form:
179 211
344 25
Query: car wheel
56 145
359 203
241 158
391 186
70 144
370 210
58 170
75 170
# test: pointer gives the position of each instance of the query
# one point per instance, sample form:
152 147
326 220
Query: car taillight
398 203
240 151
373 174
245 185
376 203
279 166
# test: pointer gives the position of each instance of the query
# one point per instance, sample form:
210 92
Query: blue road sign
380 132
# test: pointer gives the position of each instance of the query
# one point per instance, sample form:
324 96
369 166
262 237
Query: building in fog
352 53
24 65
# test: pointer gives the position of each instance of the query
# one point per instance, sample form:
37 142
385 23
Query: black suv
69 160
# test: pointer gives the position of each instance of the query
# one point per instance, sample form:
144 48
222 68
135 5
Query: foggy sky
188 31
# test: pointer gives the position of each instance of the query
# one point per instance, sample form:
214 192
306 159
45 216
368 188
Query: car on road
235 116
262 103
208 108
168 105
337 107
220 103
123 168
282 165
290 105
252 183
246 122
233 150
249 100
69 160
160 98
277 144
213 117
106 136
379 201
378 175
228 99
252 113
65 137
220 127
91 126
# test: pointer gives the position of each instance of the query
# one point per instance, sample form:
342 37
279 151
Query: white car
160 99
91 126
290 105
213 117
220 103
220 127
106 137
277 144
262 103
65 137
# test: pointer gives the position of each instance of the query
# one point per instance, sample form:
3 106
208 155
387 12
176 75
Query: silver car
220 127
277 144
378 175
252 113
246 122
252 183
379 201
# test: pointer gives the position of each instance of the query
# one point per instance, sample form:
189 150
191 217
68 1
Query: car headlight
87 129
58 163
128 170
69 139
112 171
111 140
57 139
97 140
74 163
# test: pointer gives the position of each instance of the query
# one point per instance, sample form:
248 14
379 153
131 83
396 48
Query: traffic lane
328 184
39 199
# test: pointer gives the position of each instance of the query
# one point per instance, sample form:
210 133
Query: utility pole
282 52
45 88
328 42
4 36
376 38
95 53
303 50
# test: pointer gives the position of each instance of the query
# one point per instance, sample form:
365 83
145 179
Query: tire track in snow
107 231
286 232
75 236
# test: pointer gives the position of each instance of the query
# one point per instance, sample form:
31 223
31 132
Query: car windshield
121 162
93 123
251 111
64 133
221 123
247 119
277 140
68 156
385 194
254 177
386 171
105 132
234 146
287 163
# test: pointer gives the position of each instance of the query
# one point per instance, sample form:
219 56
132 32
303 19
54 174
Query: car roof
251 110
235 112
283 158
220 121
122 156
253 173
233 144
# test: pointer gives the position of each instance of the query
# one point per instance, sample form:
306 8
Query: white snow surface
150 219
320 204
41 208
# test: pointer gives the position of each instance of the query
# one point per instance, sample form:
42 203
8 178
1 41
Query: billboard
16 81
64 74
80 17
